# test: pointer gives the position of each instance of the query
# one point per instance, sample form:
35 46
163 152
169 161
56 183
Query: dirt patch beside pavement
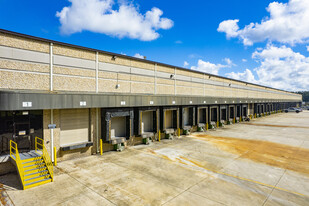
270 153
4 198
274 125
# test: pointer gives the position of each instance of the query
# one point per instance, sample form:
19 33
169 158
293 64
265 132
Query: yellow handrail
39 146
14 152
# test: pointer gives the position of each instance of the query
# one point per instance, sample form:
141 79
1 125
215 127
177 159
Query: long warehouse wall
27 63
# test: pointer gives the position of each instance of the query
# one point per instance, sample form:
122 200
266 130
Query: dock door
262 108
169 119
117 125
238 112
202 116
74 127
244 111
258 109
187 117
147 121
223 114
231 113
214 115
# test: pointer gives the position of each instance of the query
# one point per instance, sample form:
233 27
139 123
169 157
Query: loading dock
117 126
267 110
258 110
77 92
187 117
21 127
214 116
244 111
272 107
169 119
251 109
223 114
74 128
202 117
262 109
147 122
231 116
238 113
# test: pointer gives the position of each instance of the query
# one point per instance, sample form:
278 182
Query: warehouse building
73 97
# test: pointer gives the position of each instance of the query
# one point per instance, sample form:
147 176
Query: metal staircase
34 167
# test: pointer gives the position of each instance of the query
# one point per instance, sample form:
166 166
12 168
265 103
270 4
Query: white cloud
246 76
230 27
178 42
287 23
212 68
282 68
185 64
307 48
244 60
208 67
137 55
99 16
229 62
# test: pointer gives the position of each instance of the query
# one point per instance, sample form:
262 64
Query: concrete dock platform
263 162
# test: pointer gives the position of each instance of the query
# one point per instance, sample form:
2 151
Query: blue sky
189 33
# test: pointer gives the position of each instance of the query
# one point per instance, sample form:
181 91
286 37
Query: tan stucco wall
73 52
18 65
23 43
23 81
74 71
29 75
62 83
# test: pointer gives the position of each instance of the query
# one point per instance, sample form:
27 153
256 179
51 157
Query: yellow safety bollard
206 126
217 124
234 120
240 119
101 147
159 135
55 156
178 132
255 115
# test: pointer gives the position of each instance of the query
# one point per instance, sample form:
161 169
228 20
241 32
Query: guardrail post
101 147
55 156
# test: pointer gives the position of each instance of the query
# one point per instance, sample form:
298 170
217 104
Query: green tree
305 95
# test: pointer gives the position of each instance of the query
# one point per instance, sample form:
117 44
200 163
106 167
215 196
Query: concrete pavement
265 162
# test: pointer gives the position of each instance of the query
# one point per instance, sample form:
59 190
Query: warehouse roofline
128 57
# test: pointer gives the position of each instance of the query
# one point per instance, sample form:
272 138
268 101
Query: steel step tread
31 159
33 173
39 164
43 167
39 181
37 177
32 162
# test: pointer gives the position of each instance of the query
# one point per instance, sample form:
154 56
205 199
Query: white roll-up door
118 127
186 117
147 121
74 126
169 119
